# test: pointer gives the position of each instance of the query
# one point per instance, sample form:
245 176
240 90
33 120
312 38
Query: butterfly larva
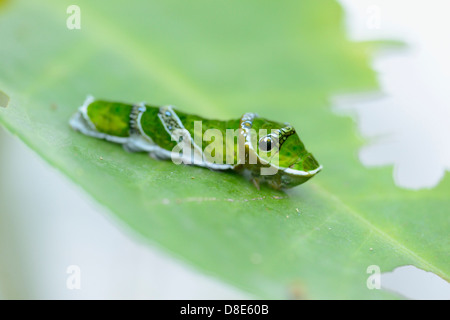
265 151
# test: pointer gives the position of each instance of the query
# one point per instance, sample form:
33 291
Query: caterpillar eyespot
265 151
266 143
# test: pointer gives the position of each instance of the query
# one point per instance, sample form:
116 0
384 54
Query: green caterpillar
262 150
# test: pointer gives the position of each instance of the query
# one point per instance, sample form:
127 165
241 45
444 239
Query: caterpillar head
281 157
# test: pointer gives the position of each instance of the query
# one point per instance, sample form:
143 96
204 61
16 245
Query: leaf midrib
371 226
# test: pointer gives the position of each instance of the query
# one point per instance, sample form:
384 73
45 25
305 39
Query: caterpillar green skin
278 158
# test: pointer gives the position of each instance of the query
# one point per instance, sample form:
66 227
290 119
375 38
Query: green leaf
220 59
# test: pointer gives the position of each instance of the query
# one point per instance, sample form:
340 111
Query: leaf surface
220 59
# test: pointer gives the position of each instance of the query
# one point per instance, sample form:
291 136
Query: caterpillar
264 151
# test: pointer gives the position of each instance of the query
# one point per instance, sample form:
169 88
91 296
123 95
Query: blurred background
413 105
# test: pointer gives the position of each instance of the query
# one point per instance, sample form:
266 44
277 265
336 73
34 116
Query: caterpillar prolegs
264 151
